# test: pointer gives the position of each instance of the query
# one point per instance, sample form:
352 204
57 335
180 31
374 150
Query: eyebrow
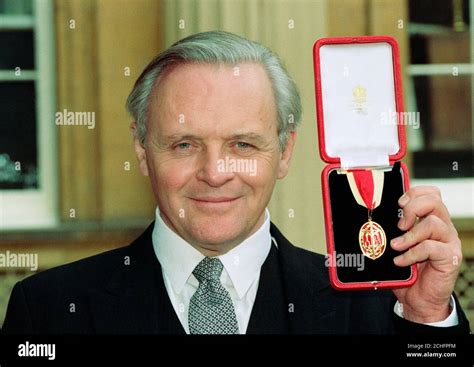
176 137
257 138
249 136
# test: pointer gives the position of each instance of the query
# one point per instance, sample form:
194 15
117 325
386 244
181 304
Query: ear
285 157
139 150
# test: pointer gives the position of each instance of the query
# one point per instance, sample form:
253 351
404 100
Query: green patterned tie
211 310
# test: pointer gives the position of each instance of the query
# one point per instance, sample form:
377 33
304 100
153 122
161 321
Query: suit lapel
312 303
269 313
134 298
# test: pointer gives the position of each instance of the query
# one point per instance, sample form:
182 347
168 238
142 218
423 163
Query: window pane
440 48
447 13
445 106
16 49
18 150
17 7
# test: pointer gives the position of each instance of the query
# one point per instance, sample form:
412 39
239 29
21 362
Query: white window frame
36 208
457 193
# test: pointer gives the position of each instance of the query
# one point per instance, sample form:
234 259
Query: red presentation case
360 127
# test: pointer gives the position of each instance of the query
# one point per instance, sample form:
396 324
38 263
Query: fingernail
396 242
396 260
403 200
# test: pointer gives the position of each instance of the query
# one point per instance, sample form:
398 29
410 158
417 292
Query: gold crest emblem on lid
360 98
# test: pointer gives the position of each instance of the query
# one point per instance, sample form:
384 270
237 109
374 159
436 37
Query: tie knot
210 268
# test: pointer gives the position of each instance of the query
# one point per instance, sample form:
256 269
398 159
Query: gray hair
218 47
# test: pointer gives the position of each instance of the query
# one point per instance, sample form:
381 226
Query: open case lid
359 101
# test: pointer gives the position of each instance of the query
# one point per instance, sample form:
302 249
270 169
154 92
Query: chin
217 232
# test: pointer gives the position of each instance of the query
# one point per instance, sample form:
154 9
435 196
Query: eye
242 145
183 146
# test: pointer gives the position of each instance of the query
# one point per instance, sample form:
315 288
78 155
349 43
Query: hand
433 244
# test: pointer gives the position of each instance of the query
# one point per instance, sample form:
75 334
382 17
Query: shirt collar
178 258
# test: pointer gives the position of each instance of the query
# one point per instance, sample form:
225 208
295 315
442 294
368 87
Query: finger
422 206
431 227
426 250
416 191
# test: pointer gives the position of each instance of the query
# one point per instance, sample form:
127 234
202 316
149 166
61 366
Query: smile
214 202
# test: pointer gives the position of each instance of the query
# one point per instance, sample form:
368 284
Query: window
28 194
440 90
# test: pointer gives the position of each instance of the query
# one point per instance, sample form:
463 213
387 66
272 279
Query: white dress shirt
240 275
451 320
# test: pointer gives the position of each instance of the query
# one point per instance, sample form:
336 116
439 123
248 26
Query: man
212 262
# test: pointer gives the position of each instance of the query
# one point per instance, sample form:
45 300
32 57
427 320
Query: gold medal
367 187
372 239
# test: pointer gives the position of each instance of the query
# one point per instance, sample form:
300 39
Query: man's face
212 152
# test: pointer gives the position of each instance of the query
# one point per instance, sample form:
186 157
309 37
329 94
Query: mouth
221 202
210 199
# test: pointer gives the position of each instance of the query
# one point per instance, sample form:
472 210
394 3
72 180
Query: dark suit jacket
122 292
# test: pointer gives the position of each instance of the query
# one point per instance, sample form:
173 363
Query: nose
213 168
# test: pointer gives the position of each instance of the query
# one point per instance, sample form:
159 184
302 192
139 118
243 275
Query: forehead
218 93
217 76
